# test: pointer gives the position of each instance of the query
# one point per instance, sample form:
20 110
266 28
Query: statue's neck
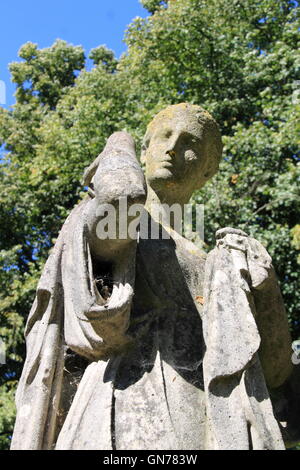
156 203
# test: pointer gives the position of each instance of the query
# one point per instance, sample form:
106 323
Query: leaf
199 299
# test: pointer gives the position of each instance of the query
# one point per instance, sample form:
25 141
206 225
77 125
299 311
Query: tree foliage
153 5
237 59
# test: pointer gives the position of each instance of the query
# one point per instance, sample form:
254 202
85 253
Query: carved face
178 156
173 153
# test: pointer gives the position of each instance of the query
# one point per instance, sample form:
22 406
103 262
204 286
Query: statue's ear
90 171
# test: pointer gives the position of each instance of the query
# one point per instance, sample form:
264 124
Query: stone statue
135 342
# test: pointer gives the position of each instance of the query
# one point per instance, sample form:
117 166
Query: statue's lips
166 163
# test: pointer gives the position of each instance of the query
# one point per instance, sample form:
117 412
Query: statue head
182 149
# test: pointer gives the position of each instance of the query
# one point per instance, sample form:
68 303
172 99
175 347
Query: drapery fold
66 314
239 409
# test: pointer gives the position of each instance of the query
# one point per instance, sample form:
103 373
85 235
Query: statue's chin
160 177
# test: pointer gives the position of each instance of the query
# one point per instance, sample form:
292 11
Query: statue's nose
172 153
171 146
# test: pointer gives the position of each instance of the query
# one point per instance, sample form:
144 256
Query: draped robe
143 384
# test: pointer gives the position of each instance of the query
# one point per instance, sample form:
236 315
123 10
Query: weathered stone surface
239 408
120 366
68 312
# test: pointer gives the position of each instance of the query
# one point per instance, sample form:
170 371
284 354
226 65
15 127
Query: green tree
153 5
238 59
27 217
103 55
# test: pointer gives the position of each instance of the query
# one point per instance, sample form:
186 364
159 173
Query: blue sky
81 22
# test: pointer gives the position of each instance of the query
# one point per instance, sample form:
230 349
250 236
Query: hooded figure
69 311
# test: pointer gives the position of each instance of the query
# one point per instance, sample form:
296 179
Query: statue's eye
190 142
185 140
